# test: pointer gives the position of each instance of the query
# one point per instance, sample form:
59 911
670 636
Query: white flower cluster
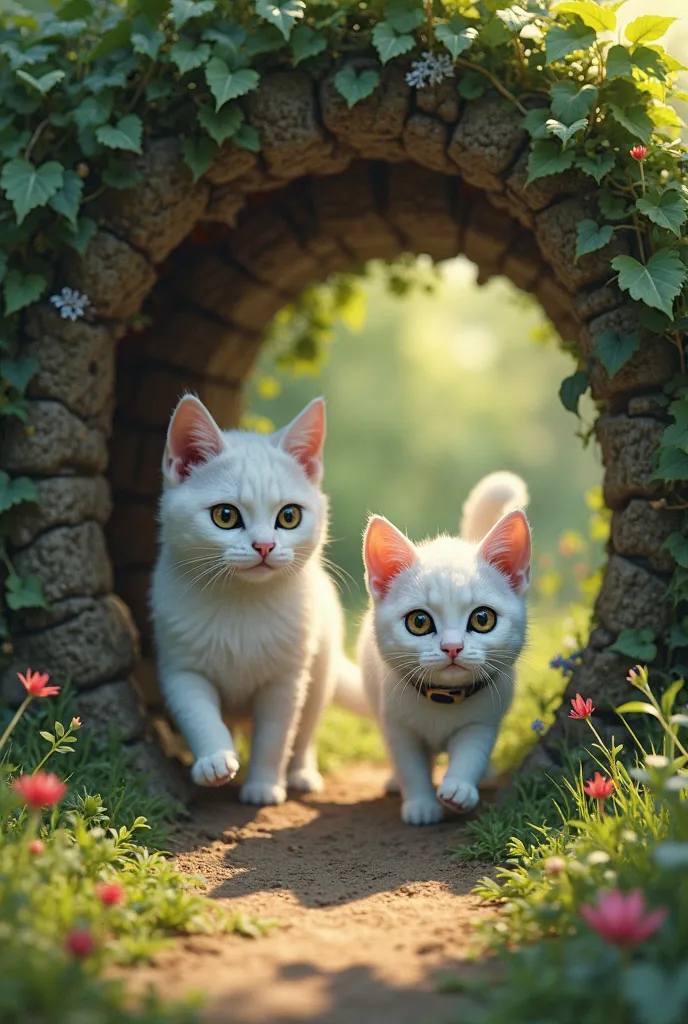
70 303
430 70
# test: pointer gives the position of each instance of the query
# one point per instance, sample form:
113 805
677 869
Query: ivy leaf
560 42
24 593
647 28
185 10
21 291
67 199
222 125
596 166
404 16
248 138
455 36
677 546
602 19
79 237
199 155
120 174
15 491
614 350
389 43
306 42
44 84
671 465
612 207
27 186
634 120
355 86
590 237
666 209
94 111
637 644
569 103
572 389
472 85
565 132
657 283
283 15
187 54
147 41
74 9
114 39
126 134
547 157
18 372
535 123
619 64
649 62
227 85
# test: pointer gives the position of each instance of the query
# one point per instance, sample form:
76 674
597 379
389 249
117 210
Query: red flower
39 790
599 787
621 918
639 152
36 846
581 708
110 894
35 684
80 942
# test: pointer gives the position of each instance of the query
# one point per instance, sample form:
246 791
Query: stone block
632 598
651 366
62 501
639 531
556 231
111 707
425 141
132 532
486 141
379 117
115 277
283 109
52 441
70 561
420 209
629 446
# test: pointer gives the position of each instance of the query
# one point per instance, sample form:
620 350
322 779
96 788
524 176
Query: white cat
438 646
246 619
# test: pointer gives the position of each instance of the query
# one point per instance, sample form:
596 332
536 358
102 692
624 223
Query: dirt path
374 912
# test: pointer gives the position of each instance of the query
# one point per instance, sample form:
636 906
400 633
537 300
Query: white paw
305 780
422 810
392 787
215 770
460 796
262 793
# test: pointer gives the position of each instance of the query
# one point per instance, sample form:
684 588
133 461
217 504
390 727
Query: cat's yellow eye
419 623
289 517
227 517
482 620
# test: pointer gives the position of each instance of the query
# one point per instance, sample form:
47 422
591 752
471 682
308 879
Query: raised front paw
262 793
305 780
215 770
460 796
421 810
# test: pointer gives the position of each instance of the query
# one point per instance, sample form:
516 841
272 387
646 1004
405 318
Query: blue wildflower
537 725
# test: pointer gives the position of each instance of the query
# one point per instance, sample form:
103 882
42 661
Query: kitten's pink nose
452 649
263 549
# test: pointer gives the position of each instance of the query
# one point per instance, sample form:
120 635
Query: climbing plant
84 82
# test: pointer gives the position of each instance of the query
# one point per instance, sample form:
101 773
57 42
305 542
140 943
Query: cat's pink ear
193 437
304 438
507 546
386 551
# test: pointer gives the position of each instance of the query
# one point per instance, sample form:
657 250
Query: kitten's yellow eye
227 517
289 517
482 620
419 623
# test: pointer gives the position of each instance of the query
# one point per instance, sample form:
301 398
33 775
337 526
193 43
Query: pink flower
39 790
599 788
110 894
80 942
581 708
639 152
35 684
36 846
554 865
621 918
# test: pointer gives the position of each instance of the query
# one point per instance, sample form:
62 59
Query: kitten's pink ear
193 437
304 438
385 552
507 546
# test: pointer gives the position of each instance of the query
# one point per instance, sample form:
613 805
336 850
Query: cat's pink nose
263 549
452 649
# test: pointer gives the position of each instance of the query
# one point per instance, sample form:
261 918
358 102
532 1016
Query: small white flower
597 857
430 70
71 303
657 761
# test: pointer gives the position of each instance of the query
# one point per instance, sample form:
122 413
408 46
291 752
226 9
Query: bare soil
374 913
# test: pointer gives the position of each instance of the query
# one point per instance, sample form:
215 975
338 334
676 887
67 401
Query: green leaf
657 283
18 372
22 291
647 28
590 237
227 85
649 62
547 157
668 698
672 464
126 134
74 9
44 84
472 85
146 40
15 491
405 15
456 36
637 644
306 42
668 209
612 207
560 42
355 86
572 389
283 15
114 39
59 730
614 350
618 63
27 186
46 735
24 593
185 10
78 238
635 706
677 546
188 55
535 123
389 43
120 174
222 125
566 132
199 155
94 110
602 19
596 166
248 138
569 102
67 199
634 120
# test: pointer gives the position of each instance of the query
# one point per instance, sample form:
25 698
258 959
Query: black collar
438 695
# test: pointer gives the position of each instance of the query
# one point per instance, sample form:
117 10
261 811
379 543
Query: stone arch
211 262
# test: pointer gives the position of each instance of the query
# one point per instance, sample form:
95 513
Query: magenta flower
581 708
599 788
621 918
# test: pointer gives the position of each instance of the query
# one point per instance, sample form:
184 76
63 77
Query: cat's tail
349 692
491 498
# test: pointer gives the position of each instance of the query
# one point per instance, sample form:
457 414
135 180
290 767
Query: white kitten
438 646
246 619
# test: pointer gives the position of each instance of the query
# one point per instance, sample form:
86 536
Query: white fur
449 577
233 640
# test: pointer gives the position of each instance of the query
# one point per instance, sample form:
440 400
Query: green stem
429 28
10 728
460 62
